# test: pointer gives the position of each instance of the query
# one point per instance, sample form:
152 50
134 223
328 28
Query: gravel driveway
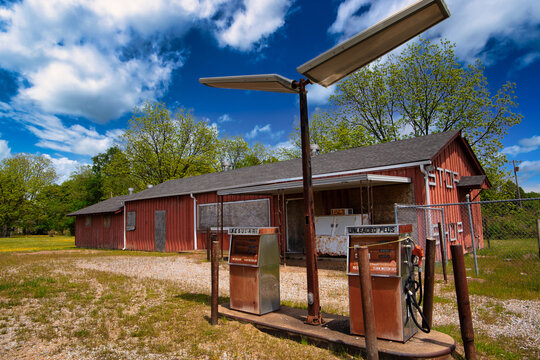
515 318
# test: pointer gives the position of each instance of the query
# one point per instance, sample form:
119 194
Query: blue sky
72 71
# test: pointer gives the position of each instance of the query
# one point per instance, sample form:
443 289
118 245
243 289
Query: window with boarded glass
247 213
88 220
130 221
107 221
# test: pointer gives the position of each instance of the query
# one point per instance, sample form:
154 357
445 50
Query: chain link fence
501 238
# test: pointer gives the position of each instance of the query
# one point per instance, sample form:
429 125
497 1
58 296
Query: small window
107 221
88 221
130 221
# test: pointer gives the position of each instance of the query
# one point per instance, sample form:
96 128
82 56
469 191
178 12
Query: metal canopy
336 182
358 51
266 82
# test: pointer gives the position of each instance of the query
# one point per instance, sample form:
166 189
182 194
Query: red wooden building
176 215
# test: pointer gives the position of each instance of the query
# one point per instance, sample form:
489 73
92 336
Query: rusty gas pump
394 263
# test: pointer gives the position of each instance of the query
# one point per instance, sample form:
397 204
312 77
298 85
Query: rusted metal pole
538 234
314 312
429 283
442 241
208 244
221 227
215 283
463 301
367 302
468 197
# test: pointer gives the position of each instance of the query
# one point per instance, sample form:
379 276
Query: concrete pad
335 332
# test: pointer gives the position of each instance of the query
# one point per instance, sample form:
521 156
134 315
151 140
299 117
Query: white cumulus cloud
98 59
224 118
255 21
53 134
266 130
64 167
5 150
318 95
524 146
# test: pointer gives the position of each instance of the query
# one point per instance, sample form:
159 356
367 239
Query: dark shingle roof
387 154
107 206
472 182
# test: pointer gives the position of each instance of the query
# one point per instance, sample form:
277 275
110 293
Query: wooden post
367 302
429 282
463 301
538 234
215 283
442 243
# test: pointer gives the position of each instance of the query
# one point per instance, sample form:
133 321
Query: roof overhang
328 183
473 182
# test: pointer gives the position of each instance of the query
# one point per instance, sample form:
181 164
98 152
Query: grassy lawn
510 269
36 243
49 306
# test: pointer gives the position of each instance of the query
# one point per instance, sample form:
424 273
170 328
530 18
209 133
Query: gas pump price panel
254 270
384 258
388 275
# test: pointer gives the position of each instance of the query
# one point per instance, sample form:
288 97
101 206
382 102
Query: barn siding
97 236
455 157
179 223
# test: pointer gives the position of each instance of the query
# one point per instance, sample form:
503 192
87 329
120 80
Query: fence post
429 282
442 241
215 283
538 234
367 302
463 301
472 233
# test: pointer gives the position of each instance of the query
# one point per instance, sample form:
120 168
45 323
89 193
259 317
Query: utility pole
516 169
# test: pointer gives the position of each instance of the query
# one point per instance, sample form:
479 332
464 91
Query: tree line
423 90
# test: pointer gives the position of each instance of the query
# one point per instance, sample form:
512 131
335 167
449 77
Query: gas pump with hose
394 263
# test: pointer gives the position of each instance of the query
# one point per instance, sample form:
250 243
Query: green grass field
509 269
36 243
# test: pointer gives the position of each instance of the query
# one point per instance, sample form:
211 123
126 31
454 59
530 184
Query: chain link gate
496 234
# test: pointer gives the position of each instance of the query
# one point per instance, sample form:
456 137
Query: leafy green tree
331 133
421 91
117 178
161 146
23 177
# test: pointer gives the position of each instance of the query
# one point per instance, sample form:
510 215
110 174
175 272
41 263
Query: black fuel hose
411 301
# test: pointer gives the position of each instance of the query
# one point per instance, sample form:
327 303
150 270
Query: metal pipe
208 244
194 221
124 248
215 283
314 311
362 255
443 251
463 302
221 227
476 202
428 199
468 197
429 283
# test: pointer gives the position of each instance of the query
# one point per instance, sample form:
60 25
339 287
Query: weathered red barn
368 181
101 225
